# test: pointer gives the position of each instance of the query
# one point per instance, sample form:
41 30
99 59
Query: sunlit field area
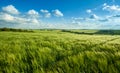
59 51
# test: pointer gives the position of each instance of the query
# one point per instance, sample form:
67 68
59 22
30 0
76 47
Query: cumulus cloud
57 13
46 13
10 9
10 17
6 17
109 21
33 14
105 22
105 4
85 23
111 8
93 16
89 11
116 15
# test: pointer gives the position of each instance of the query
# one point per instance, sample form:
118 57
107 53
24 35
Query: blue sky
60 14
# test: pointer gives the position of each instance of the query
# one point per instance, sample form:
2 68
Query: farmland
59 51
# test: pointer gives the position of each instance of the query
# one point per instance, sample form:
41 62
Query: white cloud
44 11
35 21
31 19
116 15
10 9
48 15
17 21
84 23
57 13
33 14
89 11
11 17
6 17
105 22
93 16
111 8
104 4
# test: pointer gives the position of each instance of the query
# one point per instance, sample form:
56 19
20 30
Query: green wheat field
59 51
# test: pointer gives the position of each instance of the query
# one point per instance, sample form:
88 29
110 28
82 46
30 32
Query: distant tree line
108 32
15 30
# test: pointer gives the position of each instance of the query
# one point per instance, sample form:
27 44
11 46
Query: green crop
58 52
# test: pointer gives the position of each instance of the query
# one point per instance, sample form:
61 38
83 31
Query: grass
47 51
